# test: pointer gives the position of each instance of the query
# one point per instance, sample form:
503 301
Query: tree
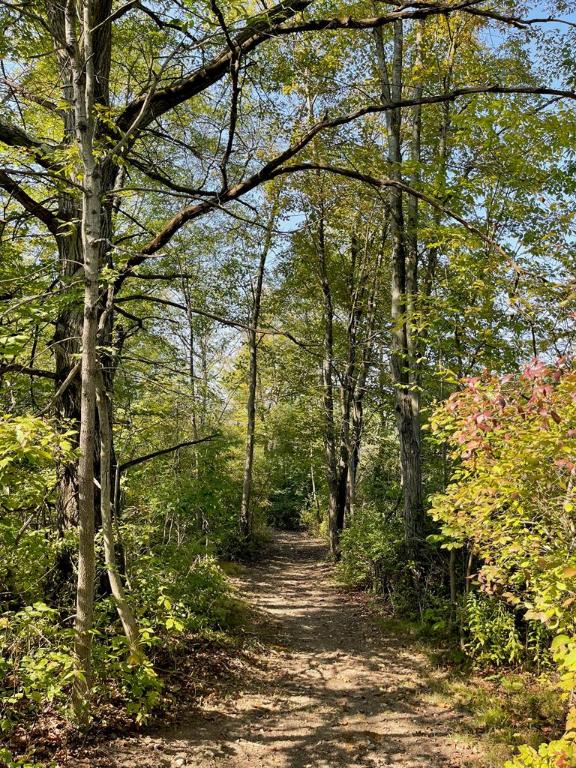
246 523
132 151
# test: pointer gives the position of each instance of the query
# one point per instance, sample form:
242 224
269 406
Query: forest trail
333 689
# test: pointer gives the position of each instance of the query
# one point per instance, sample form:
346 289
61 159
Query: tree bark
328 397
406 405
365 363
315 499
68 326
82 59
122 606
246 512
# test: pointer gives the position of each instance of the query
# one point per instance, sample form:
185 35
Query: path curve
333 691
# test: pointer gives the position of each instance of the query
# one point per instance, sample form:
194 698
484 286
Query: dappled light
287 384
336 689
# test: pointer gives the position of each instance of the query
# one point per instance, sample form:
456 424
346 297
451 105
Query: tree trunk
328 395
246 516
348 385
315 499
82 62
68 326
123 607
187 293
245 505
191 362
364 365
406 406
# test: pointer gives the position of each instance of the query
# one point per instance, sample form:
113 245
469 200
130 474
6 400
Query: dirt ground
331 688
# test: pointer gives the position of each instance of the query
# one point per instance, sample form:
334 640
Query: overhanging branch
28 203
164 451
270 169
26 370
383 183
210 316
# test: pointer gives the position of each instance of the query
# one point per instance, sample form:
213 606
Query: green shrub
490 635
7 760
371 549
36 662
176 588
176 591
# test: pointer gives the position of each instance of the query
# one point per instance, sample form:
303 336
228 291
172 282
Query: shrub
556 754
489 631
512 499
36 662
371 549
177 592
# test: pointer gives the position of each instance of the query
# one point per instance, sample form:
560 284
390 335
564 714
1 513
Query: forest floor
328 687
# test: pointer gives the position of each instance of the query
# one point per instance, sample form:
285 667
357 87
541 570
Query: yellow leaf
571 719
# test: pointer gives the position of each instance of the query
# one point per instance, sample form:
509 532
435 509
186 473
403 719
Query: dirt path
333 690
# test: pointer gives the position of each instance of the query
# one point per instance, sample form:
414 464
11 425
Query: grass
232 568
501 709
504 710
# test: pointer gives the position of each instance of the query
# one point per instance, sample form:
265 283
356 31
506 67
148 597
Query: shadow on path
332 690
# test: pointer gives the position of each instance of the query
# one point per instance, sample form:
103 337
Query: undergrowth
501 706
184 603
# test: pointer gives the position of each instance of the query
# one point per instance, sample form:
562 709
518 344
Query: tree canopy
304 264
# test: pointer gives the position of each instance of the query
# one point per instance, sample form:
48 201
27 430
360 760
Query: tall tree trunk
245 504
327 368
359 390
187 293
407 412
122 606
191 362
328 396
82 58
348 383
69 322
246 516
315 499
68 326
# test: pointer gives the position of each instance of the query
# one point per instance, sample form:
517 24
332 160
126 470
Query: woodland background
309 264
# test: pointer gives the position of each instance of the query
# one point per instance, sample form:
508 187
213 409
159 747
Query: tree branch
163 451
26 370
210 316
155 175
272 23
257 31
268 171
16 137
13 136
382 183
29 204
516 21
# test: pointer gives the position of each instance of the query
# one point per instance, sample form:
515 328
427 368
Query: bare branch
257 31
118 13
163 451
381 183
236 53
26 370
268 171
155 175
210 316
29 204
63 387
516 21
16 137
169 276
